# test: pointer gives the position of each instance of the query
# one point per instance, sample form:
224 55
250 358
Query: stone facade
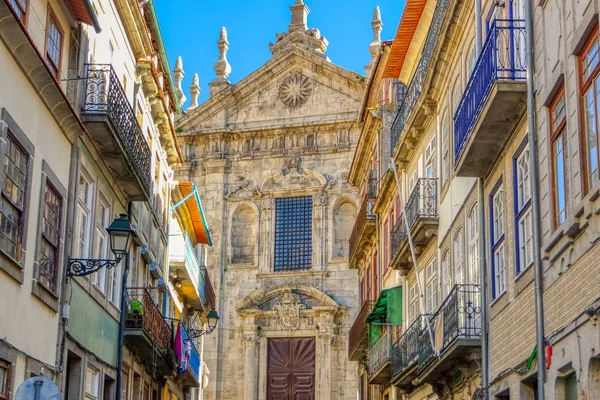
288 129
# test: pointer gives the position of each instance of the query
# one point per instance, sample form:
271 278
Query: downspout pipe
535 202
483 276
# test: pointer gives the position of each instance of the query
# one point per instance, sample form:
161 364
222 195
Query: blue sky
191 28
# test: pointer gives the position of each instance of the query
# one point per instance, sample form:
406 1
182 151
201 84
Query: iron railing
379 351
143 313
405 351
359 328
193 362
415 87
502 58
421 203
104 95
460 314
209 293
365 215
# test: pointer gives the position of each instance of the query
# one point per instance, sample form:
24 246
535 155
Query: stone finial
299 17
178 75
195 92
222 66
376 43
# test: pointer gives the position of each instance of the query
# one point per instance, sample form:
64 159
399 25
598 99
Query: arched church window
243 235
344 217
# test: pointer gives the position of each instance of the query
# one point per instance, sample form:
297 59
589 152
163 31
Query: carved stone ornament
292 163
251 340
328 338
268 203
244 189
288 310
319 199
295 90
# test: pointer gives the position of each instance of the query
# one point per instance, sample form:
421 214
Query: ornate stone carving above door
288 311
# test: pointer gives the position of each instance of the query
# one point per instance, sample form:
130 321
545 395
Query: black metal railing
379 352
105 95
421 203
460 314
405 351
416 84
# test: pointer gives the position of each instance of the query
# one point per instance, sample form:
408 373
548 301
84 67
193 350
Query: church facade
271 156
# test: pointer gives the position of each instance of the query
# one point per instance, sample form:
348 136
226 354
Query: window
524 217
472 59
413 301
386 244
590 94
14 194
92 383
54 41
293 233
50 240
85 192
473 255
429 166
557 137
497 240
20 8
459 257
4 380
571 387
431 288
375 276
101 242
445 148
411 183
446 274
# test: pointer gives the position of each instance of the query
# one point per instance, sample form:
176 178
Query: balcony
186 271
456 328
147 332
493 101
116 133
422 215
358 335
362 233
191 375
378 357
405 352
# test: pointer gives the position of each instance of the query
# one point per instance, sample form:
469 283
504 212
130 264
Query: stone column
319 231
251 342
326 341
266 235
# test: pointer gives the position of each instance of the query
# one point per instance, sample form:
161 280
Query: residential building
38 128
191 295
270 156
459 139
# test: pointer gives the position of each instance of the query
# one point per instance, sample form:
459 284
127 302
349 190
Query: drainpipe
483 277
535 202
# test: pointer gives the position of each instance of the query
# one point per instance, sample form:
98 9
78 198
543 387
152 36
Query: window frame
497 243
51 17
5 391
522 212
86 207
460 234
473 244
99 279
25 17
280 245
431 286
558 133
413 301
446 273
96 384
584 85
446 158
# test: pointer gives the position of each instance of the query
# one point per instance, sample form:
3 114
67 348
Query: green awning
379 312
387 310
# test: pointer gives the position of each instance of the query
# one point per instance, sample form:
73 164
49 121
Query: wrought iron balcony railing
502 58
359 328
460 314
379 351
405 351
209 293
143 313
104 95
193 363
413 92
421 203
365 215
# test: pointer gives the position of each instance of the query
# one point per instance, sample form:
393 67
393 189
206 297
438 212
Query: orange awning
194 206
404 35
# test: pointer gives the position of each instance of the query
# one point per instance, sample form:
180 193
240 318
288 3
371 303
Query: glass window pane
293 233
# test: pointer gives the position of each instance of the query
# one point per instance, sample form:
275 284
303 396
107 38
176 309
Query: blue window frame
293 233
523 215
498 249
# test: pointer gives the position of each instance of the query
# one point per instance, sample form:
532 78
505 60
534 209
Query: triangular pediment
294 88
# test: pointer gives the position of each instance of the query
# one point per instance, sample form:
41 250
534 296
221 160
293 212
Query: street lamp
213 319
121 237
